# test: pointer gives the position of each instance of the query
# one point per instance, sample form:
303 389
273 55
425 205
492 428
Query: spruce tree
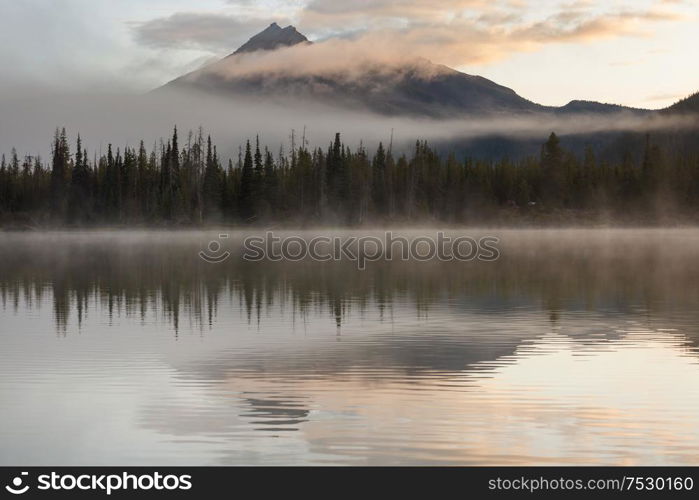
247 186
60 174
80 186
212 189
378 182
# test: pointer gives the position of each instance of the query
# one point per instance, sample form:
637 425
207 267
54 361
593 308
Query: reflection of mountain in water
561 351
554 385
272 412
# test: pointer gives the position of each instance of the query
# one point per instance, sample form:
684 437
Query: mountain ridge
272 38
400 90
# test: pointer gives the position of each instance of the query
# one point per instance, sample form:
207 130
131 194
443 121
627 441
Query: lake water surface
126 348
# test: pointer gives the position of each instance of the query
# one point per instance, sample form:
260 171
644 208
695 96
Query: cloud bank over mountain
131 45
459 32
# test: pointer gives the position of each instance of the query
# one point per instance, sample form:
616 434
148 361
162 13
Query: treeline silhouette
175 184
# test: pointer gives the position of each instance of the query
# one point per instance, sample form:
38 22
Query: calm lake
574 347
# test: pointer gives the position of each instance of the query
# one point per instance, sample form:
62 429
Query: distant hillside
594 107
687 105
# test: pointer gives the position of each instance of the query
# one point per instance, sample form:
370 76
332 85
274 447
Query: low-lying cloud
125 120
342 58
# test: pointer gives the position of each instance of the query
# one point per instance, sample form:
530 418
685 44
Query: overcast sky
637 52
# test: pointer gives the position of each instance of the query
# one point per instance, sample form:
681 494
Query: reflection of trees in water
275 412
169 280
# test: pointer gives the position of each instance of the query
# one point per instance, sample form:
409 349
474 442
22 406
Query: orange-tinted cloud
453 32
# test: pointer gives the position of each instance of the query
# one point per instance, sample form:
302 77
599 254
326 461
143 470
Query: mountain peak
272 38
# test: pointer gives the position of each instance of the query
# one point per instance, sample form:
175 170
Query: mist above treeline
184 181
